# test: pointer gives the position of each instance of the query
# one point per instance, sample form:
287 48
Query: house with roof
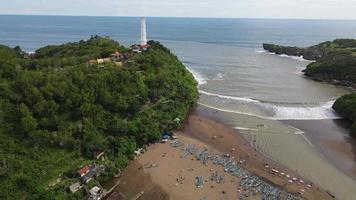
74 187
94 191
94 171
117 56
83 171
136 48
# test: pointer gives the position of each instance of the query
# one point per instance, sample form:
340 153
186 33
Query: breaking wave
245 129
300 58
323 111
277 111
228 97
198 77
232 111
219 77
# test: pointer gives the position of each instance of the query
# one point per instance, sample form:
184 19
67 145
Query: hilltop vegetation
56 112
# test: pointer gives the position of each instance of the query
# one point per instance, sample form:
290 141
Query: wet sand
290 147
332 139
217 137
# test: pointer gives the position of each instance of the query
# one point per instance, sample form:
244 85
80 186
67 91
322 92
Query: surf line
235 112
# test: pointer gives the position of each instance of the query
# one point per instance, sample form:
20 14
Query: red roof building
83 171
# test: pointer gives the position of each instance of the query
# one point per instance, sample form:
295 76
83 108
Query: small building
100 61
117 56
144 47
83 171
74 187
135 48
94 171
103 60
139 48
95 191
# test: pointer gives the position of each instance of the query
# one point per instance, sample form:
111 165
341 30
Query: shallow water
333 140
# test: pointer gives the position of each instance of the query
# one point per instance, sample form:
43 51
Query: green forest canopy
57 111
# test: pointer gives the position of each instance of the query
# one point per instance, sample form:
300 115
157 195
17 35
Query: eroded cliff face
309 53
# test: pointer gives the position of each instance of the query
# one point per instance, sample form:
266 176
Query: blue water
32 32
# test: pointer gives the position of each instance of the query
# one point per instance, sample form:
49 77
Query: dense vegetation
335 62
346 107
56 111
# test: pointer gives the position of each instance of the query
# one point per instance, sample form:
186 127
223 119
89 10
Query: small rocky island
334 62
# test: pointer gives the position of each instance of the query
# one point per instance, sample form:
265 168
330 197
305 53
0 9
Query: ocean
265 96
225 55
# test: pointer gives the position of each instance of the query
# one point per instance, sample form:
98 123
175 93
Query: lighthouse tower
143 42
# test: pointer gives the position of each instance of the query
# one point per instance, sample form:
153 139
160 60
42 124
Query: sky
305 9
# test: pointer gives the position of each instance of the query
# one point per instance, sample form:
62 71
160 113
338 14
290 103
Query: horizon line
188 17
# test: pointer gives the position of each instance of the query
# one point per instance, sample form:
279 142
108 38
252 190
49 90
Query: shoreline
332 81
201 130
332 140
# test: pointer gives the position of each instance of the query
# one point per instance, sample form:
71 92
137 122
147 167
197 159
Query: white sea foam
280 112
198 77
300 58
219 77
260 51
323 111
245 129
228 97
233 111
299 71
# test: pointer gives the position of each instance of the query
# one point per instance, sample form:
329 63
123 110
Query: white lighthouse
143 32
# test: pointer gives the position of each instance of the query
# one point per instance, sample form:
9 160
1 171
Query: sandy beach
161 174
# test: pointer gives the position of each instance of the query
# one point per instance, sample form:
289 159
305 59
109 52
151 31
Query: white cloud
334 9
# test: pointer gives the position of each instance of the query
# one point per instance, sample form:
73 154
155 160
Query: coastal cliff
65 106
311 53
